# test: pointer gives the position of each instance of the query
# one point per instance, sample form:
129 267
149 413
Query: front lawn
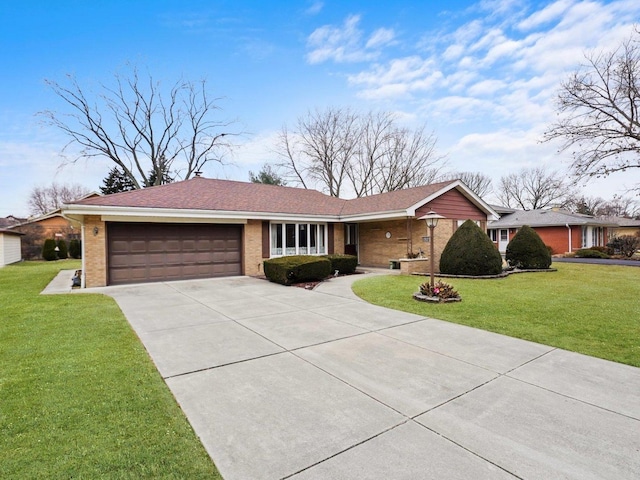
79 396
591 309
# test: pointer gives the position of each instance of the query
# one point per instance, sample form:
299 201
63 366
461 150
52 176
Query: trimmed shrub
49 250
345 264
527 250
590 253
62 249
75 248
470 251
607 250
297 269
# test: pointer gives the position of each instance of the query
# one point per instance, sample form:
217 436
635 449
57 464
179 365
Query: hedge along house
560 230
201 228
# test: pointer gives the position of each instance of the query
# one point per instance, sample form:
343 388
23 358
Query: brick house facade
201 227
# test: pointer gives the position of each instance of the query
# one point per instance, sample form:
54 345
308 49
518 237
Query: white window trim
283 226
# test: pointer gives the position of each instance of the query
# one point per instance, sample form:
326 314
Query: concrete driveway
279 382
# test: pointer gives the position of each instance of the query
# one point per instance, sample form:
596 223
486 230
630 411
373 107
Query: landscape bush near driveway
590 309
80 397
469 251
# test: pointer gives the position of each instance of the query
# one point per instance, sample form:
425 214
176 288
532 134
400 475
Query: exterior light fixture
95 231
432 221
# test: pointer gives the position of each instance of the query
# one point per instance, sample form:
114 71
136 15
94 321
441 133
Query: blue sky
481 74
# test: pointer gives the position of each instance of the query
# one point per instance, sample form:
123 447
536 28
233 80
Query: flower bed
440 292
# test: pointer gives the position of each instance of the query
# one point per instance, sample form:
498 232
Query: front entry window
298 239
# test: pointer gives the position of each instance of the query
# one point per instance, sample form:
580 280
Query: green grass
591 309
79 396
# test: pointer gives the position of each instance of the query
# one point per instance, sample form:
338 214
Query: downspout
567 225
84 271
82 242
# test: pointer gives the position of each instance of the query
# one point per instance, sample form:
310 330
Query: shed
9 247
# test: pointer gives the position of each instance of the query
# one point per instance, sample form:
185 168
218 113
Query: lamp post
432 220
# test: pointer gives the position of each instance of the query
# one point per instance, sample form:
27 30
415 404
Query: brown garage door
149 252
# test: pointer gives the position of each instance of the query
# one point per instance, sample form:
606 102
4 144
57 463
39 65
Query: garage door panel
155 252
138 246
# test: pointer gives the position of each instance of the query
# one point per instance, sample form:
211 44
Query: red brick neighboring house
561 230
202 228
52 225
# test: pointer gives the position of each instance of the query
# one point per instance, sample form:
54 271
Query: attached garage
151 252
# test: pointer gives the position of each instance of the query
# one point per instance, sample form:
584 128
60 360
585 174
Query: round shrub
469 251
526 250
49 250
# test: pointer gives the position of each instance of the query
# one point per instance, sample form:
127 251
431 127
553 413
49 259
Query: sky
482 75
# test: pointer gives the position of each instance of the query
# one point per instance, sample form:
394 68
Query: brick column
95 252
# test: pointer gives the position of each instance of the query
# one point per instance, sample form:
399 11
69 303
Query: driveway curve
280 382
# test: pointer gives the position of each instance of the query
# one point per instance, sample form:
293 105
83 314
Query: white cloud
380 37
548 14
340 44
315 8
486 87
345 44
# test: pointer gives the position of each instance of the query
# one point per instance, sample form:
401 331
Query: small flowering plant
440 290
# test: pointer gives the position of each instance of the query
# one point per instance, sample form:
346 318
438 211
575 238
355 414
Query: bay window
298 239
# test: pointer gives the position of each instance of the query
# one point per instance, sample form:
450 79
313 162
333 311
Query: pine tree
116 182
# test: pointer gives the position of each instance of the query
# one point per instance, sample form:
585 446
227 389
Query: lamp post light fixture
432 221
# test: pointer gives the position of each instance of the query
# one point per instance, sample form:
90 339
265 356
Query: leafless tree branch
150 135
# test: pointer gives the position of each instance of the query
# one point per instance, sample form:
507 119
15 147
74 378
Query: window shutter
266 244
330 248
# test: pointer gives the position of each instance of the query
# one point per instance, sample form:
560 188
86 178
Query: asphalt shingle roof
545 218
225 195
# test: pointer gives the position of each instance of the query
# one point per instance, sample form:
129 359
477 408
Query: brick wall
338 238
376 249
95 252
252 248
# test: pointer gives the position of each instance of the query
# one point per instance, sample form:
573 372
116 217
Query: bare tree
411 161
598 113
586 205
370 152
618 206
142 128
479 183
535 188
43 200
320 148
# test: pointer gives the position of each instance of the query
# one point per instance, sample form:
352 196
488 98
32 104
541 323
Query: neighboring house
561 230
9 247
202 228
10 221
50 225
624 226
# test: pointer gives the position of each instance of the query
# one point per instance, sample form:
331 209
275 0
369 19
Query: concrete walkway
280 382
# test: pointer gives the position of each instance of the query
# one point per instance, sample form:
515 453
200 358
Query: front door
351 239
503 240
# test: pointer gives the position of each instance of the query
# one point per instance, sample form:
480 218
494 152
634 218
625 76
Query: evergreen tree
526 250
268 176
469 251
116 182
62 249
75 248
49 250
